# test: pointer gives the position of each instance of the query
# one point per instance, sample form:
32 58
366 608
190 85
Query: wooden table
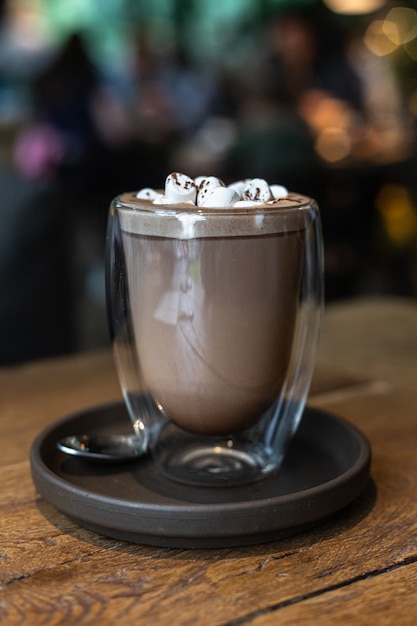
360 567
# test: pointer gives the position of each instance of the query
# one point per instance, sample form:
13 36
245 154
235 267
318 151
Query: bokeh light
400 25
379 37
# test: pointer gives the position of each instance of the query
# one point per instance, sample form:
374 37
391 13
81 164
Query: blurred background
99 97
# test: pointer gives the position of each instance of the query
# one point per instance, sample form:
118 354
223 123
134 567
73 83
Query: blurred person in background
51 153
34 302
71 156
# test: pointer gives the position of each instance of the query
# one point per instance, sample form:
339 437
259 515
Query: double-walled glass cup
215 318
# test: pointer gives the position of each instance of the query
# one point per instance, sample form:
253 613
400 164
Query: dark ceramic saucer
326 468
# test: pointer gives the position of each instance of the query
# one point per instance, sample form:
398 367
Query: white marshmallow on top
257 189
239 185
199 180
147 194
221 197
279 191
180 188
210 191
206 186
162 199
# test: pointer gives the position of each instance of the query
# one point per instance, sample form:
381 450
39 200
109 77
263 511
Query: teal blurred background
102 97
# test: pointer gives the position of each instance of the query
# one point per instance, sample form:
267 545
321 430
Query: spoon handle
103 447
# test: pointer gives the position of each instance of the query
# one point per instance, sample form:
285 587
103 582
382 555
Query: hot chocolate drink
213 300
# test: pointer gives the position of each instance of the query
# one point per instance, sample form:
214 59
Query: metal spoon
104 447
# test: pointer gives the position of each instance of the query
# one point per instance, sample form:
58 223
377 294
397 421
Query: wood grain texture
344 604
373 336
52 570
357 567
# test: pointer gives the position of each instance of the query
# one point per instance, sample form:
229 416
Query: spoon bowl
103 447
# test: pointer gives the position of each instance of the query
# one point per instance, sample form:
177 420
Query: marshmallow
279 191
239 185
161 199
147 194
210 191
221 197
257 189
199 180
180 188
205 188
